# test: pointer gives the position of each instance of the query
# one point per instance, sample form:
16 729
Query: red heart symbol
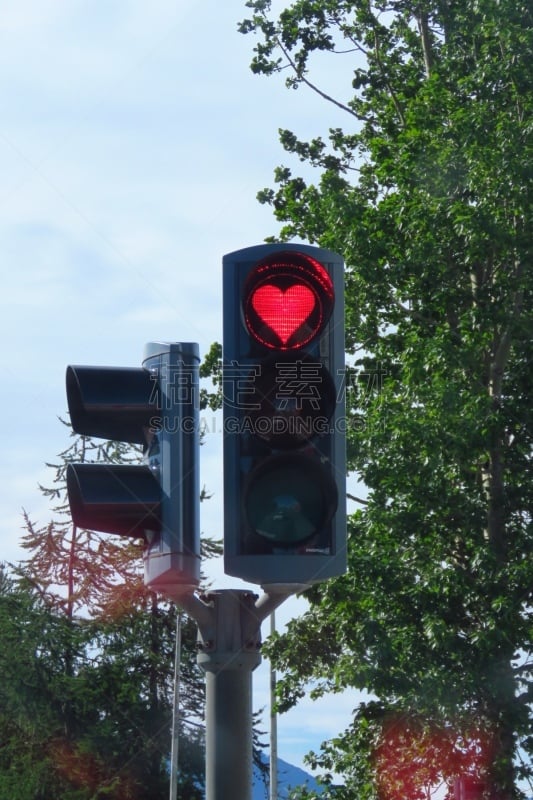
283 311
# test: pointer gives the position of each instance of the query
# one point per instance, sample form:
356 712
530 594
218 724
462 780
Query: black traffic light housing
284 436
156 406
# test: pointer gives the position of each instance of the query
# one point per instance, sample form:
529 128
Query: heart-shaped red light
284 311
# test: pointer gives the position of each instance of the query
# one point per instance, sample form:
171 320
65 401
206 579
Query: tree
427 193
106 728
97 731
27 685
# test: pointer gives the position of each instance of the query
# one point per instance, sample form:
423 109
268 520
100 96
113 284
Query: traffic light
284 438
156 406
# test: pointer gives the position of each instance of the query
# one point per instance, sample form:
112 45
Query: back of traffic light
284 441
156 406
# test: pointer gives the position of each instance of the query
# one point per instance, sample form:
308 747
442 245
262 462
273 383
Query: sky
133 141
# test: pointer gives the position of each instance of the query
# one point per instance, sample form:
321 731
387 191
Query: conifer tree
115 655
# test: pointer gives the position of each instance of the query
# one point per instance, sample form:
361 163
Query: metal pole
229 735
175 713
228 655
229 639
273 784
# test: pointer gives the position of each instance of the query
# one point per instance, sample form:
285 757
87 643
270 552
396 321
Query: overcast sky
133 140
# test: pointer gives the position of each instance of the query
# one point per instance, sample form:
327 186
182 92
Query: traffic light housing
283 399
156 406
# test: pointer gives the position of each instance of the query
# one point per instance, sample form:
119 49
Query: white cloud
133 141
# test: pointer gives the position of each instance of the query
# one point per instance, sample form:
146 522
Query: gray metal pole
175 713
273 782
229 639
229 652
229 735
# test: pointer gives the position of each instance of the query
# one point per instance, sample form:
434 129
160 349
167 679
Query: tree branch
312 86
423 27
356 499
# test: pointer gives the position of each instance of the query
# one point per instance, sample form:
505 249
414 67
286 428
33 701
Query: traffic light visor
114 498
288 299
111 402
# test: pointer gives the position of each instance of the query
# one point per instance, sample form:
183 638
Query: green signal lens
290 499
